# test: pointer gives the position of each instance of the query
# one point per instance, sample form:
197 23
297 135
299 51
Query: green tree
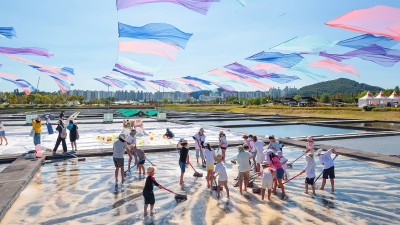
12 99
297 97
397 89
257 101
324 98
165 101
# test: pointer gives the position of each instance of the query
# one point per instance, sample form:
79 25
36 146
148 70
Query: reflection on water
294 130
232 122
74 192
392 126
389 145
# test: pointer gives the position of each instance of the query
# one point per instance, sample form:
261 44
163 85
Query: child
310 173
267 180
310 144
223 144
141 160
148 193
183 158
283 161
223 177
131 141
276 164
209 155
329 168
2 134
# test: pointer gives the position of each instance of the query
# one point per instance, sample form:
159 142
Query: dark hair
245 136
71 121
209 146
250 136
121 139
271 156
254 138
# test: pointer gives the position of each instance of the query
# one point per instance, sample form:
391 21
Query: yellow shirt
37 126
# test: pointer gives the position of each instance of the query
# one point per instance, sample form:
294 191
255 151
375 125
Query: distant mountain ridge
341 85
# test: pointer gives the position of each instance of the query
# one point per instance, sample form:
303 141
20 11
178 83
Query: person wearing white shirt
199 139
2 134
243 158
131 142
310 173
223 176
329 168
209 156
259 147
310 144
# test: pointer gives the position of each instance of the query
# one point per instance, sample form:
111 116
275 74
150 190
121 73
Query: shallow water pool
294 130
232 122
84 193
392 126
384 145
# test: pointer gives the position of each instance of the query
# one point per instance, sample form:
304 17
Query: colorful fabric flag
381 20
116 82
140 85
7 32
152 85
150 47
157 31
239 68
164 83
374 53
246 80
135 65
200 6
335 66
283 60
198 79
129 70
282 79
188 81
63 85
23 84
104 81
310 43
367 40
225 87
127 74
12 76
25 51
268 67
68 70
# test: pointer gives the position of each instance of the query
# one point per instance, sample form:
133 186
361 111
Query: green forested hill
341 85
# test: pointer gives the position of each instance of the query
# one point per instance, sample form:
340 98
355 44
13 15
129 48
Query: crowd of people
265 160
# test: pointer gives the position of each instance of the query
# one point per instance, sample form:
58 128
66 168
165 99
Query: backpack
63 133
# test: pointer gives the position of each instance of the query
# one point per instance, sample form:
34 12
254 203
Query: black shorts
329 173
118 162
149 197
141 162
310 180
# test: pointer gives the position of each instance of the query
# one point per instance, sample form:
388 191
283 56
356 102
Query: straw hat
122 137
150 169
219 157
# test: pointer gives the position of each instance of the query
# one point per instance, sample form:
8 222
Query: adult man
131 142
183 158
119 149
199 139
243 158
273 144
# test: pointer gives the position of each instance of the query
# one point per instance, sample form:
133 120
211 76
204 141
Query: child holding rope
276 164
329 167
141 160
148 193
209 156
310 173
268 175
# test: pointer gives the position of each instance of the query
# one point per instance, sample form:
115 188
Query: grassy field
329 112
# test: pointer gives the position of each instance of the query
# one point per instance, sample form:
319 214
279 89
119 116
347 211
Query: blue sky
83 34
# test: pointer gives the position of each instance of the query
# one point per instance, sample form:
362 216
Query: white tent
366 100
394 99
381 99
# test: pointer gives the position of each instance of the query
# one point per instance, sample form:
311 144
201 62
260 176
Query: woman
223 143
73 134
62 134
276 164
258 147
2 134
37 127
209 156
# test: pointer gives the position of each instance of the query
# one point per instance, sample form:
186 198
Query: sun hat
279 153
219 157
122 137
150 169
309 138
240 148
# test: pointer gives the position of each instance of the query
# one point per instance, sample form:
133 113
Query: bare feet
306 192
123 180
151 213
321 188
145 214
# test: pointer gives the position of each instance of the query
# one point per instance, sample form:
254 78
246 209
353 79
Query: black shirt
183 154
150 182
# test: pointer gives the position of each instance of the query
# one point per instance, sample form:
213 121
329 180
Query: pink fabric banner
8 75
335 66
166 50
247 80
382 20
192 82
